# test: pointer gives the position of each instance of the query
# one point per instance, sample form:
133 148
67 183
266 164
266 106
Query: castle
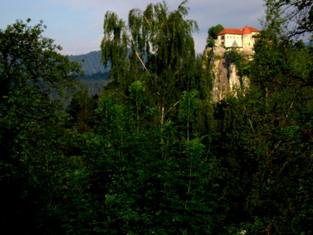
242 38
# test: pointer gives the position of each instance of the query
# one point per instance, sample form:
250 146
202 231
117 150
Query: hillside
96 74
91 63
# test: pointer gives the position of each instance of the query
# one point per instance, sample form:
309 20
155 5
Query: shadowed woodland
152 154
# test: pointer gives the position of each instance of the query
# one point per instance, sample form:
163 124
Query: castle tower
248 37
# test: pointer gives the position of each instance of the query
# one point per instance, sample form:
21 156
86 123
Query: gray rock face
226 80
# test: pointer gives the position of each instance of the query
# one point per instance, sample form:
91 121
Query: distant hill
91 64
96 75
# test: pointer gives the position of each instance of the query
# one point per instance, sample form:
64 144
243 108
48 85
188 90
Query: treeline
152 154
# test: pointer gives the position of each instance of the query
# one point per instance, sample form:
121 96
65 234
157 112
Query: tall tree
31 126
159 46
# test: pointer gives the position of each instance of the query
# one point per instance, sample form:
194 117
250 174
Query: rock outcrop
226 79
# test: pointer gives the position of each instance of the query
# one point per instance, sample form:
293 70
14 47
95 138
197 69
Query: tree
260 140
189 106
299 12
82 110
213 33
148 160
32 133
156 46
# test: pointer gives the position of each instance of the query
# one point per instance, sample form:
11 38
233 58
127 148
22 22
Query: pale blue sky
76 25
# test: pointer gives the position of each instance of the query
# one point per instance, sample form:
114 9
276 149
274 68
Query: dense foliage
213 33
152 154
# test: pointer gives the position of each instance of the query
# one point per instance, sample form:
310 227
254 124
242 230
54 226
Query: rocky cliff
226 79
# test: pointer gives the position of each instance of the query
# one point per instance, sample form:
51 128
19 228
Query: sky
76 25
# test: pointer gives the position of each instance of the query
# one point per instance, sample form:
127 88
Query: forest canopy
152 154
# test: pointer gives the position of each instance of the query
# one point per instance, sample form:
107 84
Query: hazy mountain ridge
96 75
91 65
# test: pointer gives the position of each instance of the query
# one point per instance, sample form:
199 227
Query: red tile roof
248 30
245 30
230 31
